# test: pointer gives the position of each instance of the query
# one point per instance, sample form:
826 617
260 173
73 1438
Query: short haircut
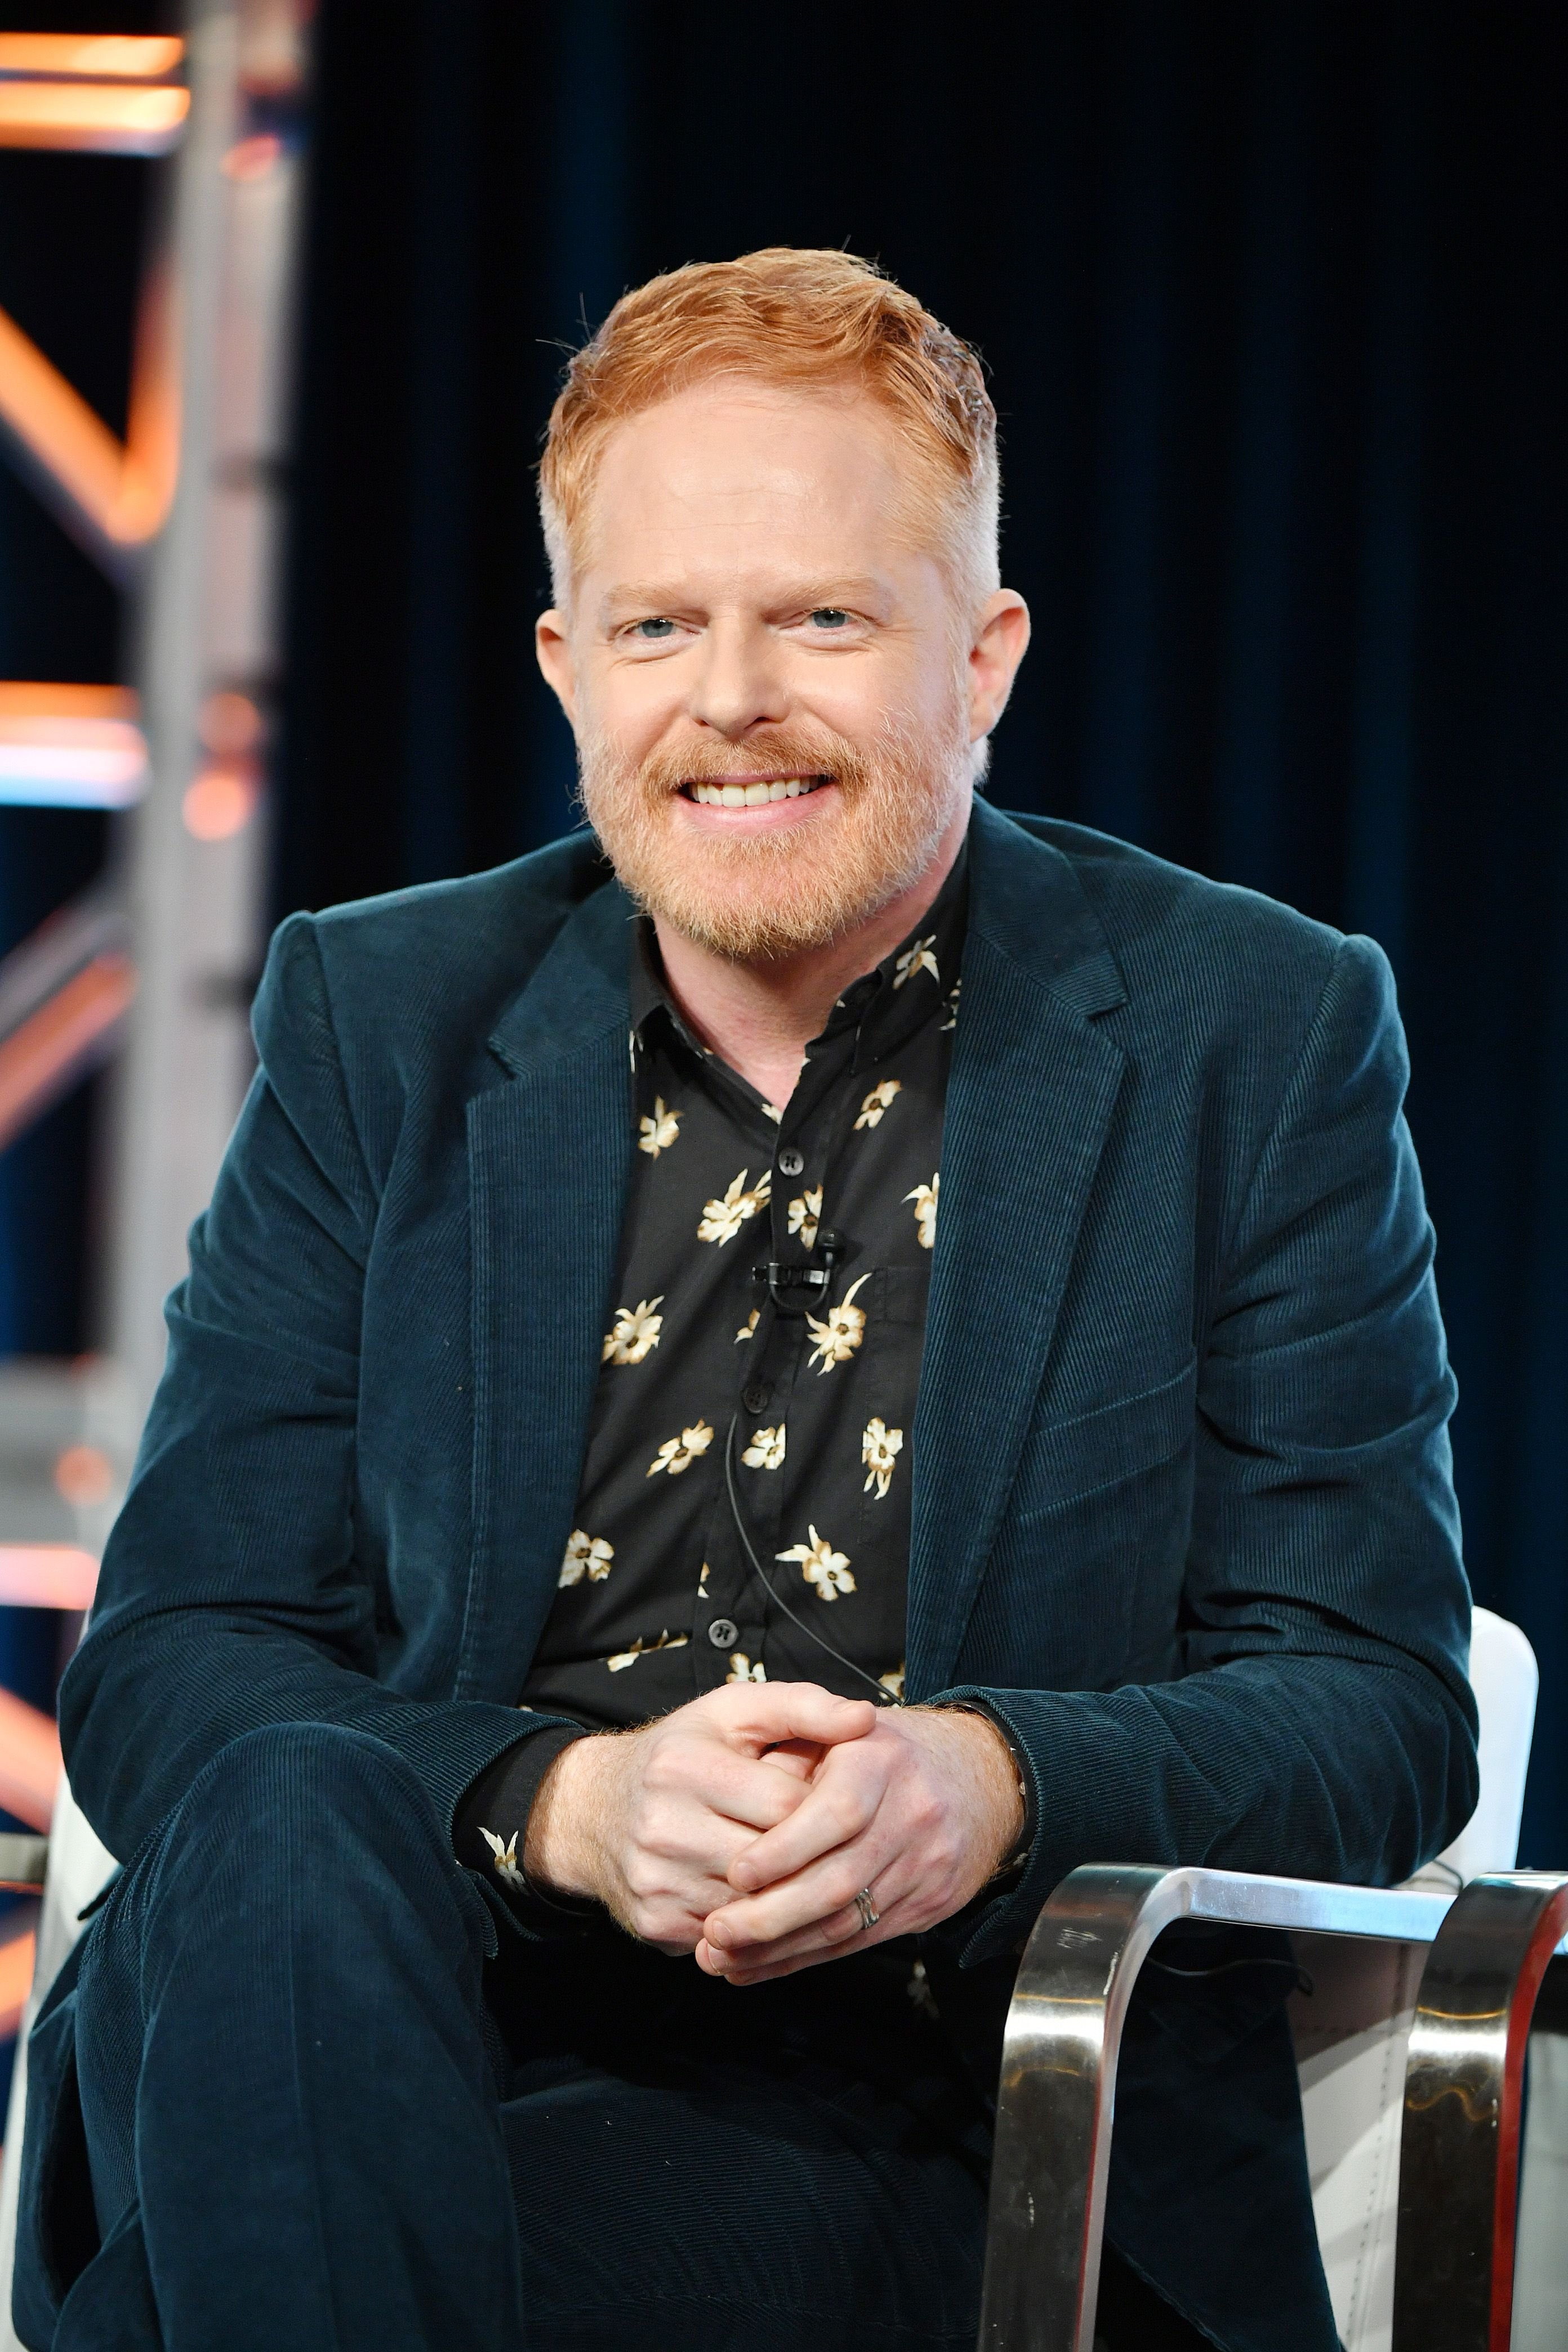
787 316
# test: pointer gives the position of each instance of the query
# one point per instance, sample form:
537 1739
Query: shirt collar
886 1007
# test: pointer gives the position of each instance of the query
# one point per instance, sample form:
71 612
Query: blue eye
828 616
654 631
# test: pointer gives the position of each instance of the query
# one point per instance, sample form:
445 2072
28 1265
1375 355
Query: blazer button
724 1633
792 1162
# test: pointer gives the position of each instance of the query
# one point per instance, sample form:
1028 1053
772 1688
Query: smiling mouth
734 796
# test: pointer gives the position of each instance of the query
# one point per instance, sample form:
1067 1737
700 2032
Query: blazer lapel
548 1149
1033 1086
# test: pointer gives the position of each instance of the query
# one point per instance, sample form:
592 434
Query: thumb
764 1714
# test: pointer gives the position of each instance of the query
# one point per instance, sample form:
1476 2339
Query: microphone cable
883 1696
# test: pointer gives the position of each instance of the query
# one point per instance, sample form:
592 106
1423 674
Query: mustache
783 752
784 755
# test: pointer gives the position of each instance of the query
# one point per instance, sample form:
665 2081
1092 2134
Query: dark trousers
324 2100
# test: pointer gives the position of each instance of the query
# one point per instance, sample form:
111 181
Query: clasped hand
741 1827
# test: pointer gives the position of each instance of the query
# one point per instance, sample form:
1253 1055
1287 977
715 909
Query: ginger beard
759 897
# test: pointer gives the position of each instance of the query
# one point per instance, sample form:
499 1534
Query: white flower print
876 1102
588 1556
917 959
748 1328
702 1581
924 1197
823 1568
806 1213
952 1021
641 1649
840 1330
766 1450
506 1860
678 1454
660 1132
636 1331
892 1681
743 1670
879 1446
722 1220
772 1110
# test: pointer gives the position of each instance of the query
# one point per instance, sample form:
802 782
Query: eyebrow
652 598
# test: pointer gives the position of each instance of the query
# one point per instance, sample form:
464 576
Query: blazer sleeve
1324 1725
230 1596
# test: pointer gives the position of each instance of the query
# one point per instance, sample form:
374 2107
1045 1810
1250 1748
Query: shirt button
792 1162
724 1633
756 1398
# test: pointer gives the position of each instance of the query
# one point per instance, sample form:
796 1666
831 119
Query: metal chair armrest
1458 2166
1058 2066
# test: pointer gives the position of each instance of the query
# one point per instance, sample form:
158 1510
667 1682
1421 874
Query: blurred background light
90 57
219 803
101 118
48 1576
70 746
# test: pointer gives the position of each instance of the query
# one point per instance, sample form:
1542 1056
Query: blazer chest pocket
1064 1461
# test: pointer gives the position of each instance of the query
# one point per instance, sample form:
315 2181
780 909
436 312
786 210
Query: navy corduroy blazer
1182 1504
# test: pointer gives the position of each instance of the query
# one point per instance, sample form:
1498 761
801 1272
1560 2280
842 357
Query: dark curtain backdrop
1273 297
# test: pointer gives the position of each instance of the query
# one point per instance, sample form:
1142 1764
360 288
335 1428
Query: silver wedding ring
869 1915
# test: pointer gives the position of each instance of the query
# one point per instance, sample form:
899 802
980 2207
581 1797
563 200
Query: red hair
793 317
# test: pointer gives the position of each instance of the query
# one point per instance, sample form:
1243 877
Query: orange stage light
17 1959
40 1056
43 698
229 724
70 746
252 158
84 1477
30 1761
47 1575
97 118
58 427
220 803
121 493
90 57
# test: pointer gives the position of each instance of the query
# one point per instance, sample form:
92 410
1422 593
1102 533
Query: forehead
730 473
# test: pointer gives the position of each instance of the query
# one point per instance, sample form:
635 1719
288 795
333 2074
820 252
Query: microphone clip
783 1279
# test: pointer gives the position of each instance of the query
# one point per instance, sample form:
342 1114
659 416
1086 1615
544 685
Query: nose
739 681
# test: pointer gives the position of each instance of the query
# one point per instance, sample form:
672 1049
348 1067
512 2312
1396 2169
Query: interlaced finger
822 1891
831 1939
838 1807
745 1788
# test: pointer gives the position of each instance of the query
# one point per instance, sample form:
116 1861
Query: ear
553 648
1001 641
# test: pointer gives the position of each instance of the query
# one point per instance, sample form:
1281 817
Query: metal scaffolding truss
155 967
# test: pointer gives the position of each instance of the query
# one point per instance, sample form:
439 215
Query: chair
1375 2018
1411 2052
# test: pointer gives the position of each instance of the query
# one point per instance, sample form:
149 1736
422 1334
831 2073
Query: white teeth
750 795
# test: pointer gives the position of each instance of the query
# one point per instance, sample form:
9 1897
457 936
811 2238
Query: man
911 1361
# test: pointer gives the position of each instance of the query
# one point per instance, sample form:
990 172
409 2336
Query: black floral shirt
795 1388
766 1335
